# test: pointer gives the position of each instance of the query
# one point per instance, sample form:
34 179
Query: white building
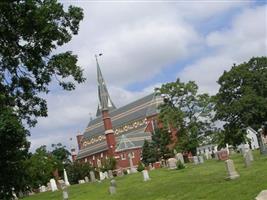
207 149
252 139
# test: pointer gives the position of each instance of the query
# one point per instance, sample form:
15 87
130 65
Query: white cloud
244 39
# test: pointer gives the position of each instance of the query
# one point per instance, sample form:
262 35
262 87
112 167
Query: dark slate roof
148 109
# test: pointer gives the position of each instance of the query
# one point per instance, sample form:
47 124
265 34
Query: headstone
65 193
14 196
112 187
150 166
92 176
66 178
180 157
106 175
99 164
145 175
86 179
53 185
195 160
163 163
128 171
227 149
250 155
223 155
200 159
61 183
216 156
244 149
157 165
262 195
110 174
120 172
207 155
48 188
42 188
262 142
132 168
230 167
172 163
247 159
102 176
81 181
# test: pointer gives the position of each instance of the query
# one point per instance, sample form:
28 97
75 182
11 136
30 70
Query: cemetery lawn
206 181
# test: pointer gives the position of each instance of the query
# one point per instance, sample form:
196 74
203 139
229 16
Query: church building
118 132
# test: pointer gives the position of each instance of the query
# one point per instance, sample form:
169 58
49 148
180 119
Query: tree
187 111
242 99
61 155
109 164
160 141
30 31
77 171
148 155
13 150
40 167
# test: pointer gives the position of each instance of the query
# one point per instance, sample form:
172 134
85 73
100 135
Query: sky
145 44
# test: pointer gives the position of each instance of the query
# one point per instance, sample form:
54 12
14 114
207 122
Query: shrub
140 167
179 165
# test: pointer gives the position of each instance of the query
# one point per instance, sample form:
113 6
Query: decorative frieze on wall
118 131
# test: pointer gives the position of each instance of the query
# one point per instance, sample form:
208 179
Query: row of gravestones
113 185
172 162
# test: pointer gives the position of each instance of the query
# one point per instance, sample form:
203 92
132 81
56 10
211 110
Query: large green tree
13 151
242 99
30 32
40 167
187 111
159 144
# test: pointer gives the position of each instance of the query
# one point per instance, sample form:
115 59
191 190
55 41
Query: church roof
139 109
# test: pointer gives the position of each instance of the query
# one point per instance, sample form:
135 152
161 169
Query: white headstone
53 185
247 159
180 157
145 175
106 175
66 178
81 181
102 176
110 174
112 187
92 176
230 167
132 168
42 188
195 159
86 179
227 149
172 163
200 159
262 195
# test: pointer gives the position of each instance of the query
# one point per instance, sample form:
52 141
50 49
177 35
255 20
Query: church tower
105 105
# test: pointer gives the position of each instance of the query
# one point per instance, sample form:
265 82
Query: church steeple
105 102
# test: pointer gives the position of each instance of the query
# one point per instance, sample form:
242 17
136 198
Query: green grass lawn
206 181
